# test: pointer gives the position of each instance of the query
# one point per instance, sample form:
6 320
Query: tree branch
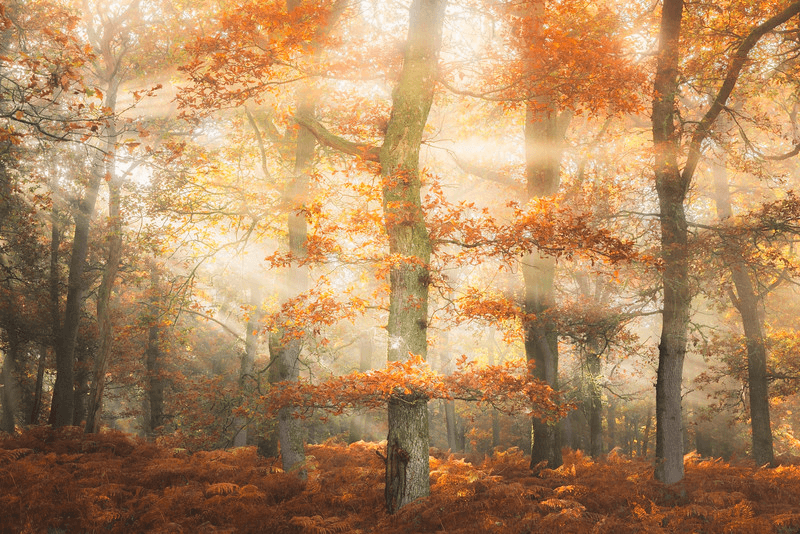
732 76
325 137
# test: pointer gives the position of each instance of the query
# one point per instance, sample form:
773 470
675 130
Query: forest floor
66 482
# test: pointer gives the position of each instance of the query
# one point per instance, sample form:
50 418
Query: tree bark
81 390
544 146
63 405
671 187
113 258
248 359
748 303
41 365
359 423
595 401
407 465
154 386
11 390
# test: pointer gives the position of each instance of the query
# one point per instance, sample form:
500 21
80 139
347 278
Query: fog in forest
450 226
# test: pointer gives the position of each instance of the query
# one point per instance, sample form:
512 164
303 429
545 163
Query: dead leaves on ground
114 483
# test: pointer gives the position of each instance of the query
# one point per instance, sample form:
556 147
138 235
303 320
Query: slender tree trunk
113 258
748 303
453 424
41 365
83 356
248 359
407 465
495 414
285 353
611 420
154 386
358 424
63 406
646 436
671 187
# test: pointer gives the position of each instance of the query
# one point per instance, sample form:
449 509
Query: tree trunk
285 353
113 258
358 424
748 303
646 436
63 407
154 386
595 401
11 390
544 146
81 390
495 413
248 359
454 443
407 452
37 389
407 466
671 187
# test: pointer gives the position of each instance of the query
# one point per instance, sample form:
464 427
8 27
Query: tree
672 182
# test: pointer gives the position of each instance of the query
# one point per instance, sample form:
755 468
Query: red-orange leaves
257 46
509 387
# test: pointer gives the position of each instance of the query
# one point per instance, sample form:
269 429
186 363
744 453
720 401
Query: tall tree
672 185
545 129
407 463
407 468
748 303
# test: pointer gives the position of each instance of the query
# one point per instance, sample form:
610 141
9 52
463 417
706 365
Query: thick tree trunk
407 452
748 303
407 466
63 407
11 390
671 187
285 366
544 146
595 401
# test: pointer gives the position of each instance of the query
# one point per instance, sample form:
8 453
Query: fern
222 488
319 525
14 454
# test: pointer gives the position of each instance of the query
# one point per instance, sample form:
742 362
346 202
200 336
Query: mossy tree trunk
407 465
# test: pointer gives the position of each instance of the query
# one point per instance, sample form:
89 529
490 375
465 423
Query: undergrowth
65 481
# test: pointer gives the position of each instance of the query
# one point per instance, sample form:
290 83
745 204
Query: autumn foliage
111 482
